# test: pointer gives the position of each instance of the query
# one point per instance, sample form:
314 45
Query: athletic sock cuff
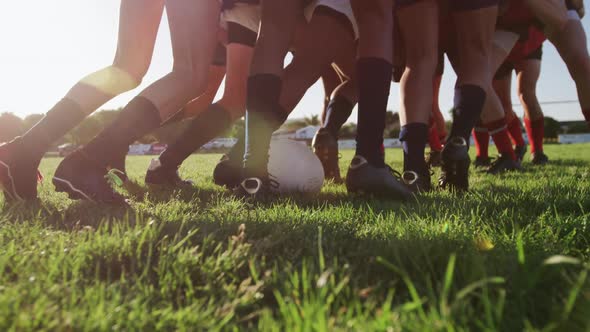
414 132
139 117
63 117
376 68
496 126
202 129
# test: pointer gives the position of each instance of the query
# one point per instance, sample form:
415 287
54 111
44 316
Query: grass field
512 255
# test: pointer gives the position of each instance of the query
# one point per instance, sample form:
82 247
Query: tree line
11 126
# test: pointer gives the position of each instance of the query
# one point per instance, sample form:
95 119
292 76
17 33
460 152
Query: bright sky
47 46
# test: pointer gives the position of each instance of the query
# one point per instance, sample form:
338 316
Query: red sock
536 131
586 113
499 132
482 141
434 139
515 131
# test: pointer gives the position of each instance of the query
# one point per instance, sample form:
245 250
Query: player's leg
503 88
328 37
217 72
564 29
493 117
192 109
338 110
264 113
437 131
216 118
345 96
418 23
138 24
438 118
330 81
474 23
325 143
474 95
162 171
528 73
368 172
340 106
193 28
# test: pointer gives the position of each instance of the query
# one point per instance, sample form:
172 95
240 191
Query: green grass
512 255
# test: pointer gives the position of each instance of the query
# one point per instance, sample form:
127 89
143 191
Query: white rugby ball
294 168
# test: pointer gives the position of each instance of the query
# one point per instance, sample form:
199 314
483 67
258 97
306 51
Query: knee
422 58
112 80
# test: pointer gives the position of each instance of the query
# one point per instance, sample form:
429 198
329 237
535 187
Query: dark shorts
238 34
466 5
507 67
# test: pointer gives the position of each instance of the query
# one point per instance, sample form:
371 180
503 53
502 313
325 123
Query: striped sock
499 132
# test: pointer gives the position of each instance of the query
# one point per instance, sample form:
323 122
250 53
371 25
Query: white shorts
249 16
505 40
341 6
246 15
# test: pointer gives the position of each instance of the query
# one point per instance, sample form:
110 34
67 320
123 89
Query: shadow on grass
558 163
77 215
285 246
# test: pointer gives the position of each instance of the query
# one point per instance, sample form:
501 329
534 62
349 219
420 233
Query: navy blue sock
374 80
414 137
468 104
202 129
138 118
337 113
264 115
63 117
